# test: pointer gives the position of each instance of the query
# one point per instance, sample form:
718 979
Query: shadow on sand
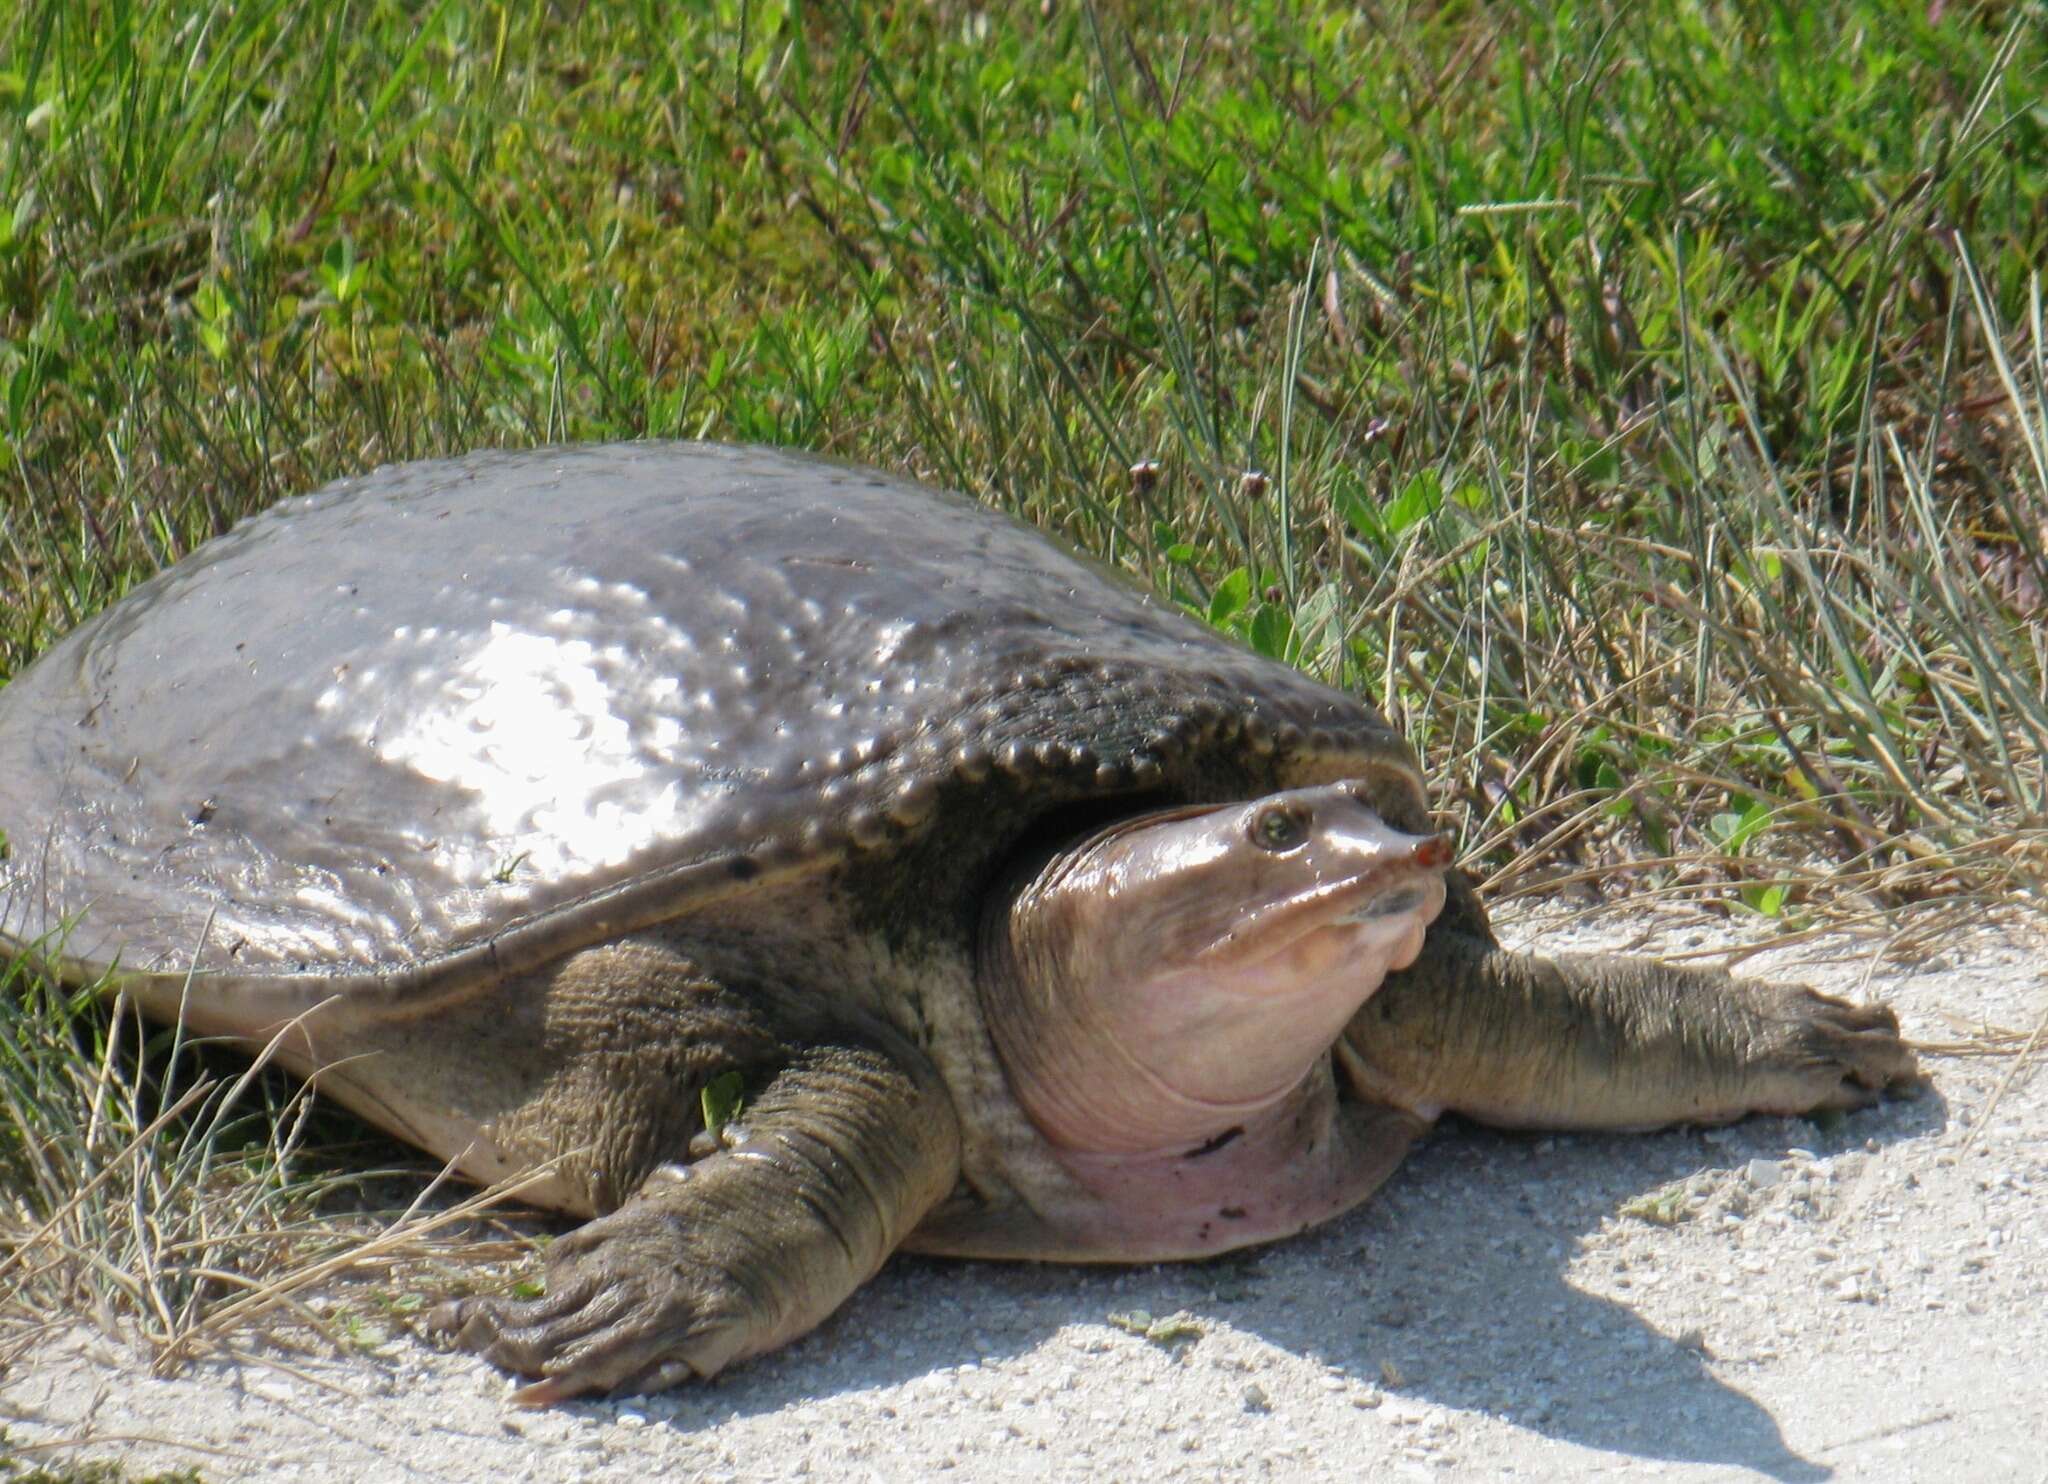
1460 1285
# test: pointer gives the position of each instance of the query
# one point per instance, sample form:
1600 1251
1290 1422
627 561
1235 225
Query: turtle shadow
1464 1299
1454 1295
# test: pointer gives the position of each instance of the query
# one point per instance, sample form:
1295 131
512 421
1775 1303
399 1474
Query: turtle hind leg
740 1250
1612 1043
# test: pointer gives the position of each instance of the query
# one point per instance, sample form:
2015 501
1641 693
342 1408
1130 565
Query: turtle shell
455 718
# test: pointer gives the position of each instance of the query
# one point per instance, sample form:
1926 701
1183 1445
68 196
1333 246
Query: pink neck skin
1311 1156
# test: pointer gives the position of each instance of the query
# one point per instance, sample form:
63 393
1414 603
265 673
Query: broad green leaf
1231 594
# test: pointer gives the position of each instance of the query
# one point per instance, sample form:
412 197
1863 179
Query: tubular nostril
1433 853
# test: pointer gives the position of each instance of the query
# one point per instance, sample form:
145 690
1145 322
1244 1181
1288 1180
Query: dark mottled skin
533 791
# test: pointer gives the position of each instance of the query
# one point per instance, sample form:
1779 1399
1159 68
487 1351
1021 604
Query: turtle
538 804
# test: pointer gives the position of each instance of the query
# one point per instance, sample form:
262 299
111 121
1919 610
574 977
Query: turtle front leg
739 1250
1611 1043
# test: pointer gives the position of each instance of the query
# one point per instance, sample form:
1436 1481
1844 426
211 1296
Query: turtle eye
1279 827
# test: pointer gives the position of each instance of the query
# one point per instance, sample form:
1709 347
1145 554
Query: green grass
1649 400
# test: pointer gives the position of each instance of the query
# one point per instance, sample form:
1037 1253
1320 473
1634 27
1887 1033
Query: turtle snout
1419 895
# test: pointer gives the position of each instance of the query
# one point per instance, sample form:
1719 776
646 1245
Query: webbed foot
743 1250
632 1305
1815 1053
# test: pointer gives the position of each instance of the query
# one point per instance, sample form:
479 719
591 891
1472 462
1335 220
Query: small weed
1175 1329
1667 1205
721 1101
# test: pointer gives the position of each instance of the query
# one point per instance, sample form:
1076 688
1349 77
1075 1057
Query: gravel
1866 1299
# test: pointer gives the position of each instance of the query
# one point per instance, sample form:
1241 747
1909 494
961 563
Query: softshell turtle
525 795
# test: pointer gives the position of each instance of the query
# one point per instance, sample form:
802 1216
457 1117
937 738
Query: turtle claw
617 1318
1834 1056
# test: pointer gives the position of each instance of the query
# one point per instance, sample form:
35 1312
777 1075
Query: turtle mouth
1398 902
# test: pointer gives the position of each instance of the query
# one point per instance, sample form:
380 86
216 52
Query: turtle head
1173 975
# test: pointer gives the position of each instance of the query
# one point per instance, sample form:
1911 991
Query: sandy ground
1864 1301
